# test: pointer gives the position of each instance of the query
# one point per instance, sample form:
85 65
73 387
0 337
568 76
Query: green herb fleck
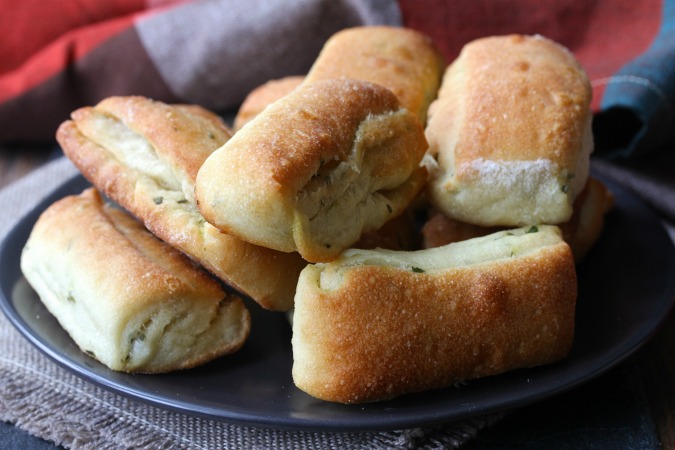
417 270
212 136
70 297
564 188
183 200
389 208
158 200
90 353
533 229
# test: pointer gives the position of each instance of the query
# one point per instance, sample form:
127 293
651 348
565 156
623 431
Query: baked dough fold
126 298
315 170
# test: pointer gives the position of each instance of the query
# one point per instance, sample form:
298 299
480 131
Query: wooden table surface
648 376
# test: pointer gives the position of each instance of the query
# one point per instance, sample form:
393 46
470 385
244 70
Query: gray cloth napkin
49 402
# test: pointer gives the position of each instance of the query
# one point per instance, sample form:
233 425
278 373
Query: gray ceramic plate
626 288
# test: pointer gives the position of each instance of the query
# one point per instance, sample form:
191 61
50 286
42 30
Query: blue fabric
637 111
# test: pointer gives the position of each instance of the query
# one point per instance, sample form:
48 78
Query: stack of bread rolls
311 205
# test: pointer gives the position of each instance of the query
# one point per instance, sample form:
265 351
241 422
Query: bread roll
126 298
316 169
145 155
511 132
404 61
580 232
263 95
375 324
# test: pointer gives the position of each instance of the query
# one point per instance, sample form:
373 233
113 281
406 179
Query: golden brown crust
152 176
316 169
263 95
381 327
127 298
404 61
511 132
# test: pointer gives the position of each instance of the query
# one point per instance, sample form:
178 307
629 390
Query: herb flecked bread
126 298
317 169
145 155
375 324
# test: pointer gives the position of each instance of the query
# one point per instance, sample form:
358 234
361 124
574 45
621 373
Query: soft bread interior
580 232
346 198
535 188
177 331
500 245
136 152
170 336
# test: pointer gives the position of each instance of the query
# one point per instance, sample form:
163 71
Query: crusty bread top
317 125
528 98
263 95
404 61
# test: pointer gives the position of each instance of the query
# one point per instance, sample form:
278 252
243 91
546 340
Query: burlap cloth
49 402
